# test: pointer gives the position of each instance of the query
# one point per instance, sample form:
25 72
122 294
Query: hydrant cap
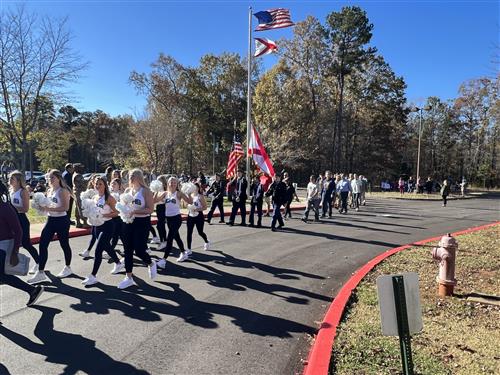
448 241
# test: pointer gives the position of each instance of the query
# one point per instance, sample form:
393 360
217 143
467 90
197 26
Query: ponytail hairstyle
19 177
4 193
105 183
164 180
138 176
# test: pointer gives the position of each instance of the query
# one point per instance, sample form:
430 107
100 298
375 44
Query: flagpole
249 94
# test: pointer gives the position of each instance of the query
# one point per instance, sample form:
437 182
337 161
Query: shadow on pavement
75 351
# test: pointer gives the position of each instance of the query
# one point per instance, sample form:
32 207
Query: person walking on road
356 186
217 190
136 233
256 201
290 194
116 190
68 178
20 199
239 195
445 191
343 188
159 199
401 186
10 240
327 194
173 199
79 186
57 223
277 190
196 218
312 199
104 232
265 181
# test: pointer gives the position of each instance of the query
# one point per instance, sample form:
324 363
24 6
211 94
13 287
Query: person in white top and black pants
313 199
196 218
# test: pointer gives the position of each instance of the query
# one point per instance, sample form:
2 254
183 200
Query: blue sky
434 45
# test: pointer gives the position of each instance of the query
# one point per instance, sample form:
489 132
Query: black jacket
240 189
68 178
257 192
217 189
278 191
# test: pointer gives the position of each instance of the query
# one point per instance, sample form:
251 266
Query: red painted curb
318 361
85 232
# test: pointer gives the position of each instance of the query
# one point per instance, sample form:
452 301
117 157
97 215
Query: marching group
324 192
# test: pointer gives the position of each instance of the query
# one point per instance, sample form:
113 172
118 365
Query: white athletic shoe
39 277
155 240
183 257
33 269
90 280
152 270
126 282
117 268
85 254
66 271
162 245
162 263
206 246
189 252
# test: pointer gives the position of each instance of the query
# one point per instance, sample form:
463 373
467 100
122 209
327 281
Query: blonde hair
62 183
173 178
19 177
137 175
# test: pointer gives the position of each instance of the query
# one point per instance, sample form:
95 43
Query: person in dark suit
239 198
278 191
217 191
68 178
257 194
327 194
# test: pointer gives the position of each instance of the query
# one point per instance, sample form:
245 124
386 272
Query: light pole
416 109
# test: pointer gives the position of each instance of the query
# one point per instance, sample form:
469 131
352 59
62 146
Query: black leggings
199 221
160 214
103 233
59 225
136 235
93 239
25 225
173 223
117 231
11 280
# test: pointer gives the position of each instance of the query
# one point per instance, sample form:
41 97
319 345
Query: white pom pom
40 200
156 186
88 194
125 212
188 188
126 198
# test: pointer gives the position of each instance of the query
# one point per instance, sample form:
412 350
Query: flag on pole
234 157
273 19
264 46
258 153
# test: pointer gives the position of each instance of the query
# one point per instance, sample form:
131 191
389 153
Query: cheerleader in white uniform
116 191
196 218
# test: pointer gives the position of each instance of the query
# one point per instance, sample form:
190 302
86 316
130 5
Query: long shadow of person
76 352
3 370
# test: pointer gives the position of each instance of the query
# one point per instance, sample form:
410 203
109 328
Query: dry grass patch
459 337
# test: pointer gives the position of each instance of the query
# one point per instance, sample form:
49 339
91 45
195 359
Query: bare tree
36 60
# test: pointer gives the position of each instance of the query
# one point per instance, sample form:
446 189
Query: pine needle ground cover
459 336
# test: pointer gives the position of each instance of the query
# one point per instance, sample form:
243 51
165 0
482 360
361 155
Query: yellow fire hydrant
445 254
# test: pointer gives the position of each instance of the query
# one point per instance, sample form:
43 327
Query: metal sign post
403 328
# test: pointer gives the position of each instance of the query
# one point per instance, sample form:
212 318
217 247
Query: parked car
86 176
35 175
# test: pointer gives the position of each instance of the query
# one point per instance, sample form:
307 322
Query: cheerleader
20 199
116 191
196 217
57 222
159 199
104 232
136 233
174 220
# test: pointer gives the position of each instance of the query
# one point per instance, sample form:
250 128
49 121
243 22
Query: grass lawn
459 337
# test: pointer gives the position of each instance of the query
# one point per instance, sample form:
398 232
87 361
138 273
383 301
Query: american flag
234 157
273 19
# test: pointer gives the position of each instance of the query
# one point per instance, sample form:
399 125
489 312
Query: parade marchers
133 226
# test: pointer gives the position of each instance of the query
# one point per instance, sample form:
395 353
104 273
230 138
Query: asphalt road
248 306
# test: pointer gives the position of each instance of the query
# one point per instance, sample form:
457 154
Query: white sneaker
90 280
206 246
162 245
105 256
189 252
126 282
117 268
152 270
183 257
33 269
155 240
85 254
66 271
39 277
162 263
